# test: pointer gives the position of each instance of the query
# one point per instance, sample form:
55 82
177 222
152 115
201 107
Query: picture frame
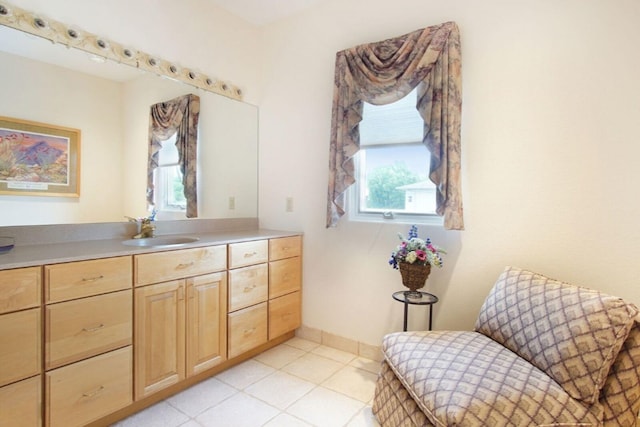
38 159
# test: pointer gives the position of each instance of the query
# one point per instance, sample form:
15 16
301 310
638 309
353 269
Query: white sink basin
154 242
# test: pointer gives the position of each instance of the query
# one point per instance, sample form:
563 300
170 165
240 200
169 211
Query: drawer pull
97 328
249 331
250 254
92 279
249 288
93 393
183 266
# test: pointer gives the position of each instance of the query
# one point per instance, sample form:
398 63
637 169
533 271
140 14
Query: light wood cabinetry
206 322
83 342
21 403
87 327
88 390
180 324
63 282
88 336
285 284
171 265
20 347
248 294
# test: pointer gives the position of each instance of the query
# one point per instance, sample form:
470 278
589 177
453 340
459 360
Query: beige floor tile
353 382
202 396
366 364
159 415
245 374
241 410
279 356
323 407
286 420
280 389
334 354
364 418
302 344
190 423
313 368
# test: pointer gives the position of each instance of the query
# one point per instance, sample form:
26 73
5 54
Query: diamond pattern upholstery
464 378
571 333
539 343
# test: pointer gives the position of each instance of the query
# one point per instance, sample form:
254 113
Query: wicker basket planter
414 276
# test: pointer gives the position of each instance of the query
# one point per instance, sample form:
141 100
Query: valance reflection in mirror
113 117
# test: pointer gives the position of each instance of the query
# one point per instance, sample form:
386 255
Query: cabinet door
247 329
284 314
20 345
159 336
21 403
206 322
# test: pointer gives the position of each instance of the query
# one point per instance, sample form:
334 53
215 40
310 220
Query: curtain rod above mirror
70 36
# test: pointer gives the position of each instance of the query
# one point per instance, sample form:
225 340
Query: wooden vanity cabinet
20 348
285 285
248 294
180 325
88 340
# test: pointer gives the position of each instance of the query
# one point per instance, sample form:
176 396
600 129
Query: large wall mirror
109 103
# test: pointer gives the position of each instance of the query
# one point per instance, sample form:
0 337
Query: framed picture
38 159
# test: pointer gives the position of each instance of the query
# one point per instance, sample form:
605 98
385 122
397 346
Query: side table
415 298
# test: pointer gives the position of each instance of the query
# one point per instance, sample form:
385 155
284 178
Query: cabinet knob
249 288
182 266
250 254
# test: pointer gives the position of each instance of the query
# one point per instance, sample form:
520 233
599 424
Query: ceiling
263 12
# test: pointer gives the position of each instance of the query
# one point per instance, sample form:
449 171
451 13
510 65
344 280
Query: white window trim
355 215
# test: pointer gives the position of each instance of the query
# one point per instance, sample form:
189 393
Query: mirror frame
70 36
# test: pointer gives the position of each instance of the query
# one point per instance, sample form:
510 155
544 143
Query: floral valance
384 72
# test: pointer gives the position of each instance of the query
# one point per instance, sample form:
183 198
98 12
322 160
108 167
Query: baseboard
358 348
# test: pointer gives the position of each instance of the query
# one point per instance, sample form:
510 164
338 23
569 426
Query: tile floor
298 383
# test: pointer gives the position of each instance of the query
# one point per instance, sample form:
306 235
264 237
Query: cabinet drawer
171 265
247 329
21 403
85 391
285 247
86 278
20 345
285 276
20 289
284 314
248 253
83 328
248 286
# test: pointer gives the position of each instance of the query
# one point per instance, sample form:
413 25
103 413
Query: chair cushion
464 378
571 333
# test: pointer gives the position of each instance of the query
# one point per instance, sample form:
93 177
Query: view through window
393 163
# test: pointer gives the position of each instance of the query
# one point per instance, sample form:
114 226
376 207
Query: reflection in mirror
113 116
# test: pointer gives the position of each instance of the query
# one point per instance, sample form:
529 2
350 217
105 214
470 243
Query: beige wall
551 159
550 140
91 105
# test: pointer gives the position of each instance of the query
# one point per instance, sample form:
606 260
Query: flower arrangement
414 250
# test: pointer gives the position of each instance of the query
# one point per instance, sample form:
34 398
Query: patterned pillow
573 334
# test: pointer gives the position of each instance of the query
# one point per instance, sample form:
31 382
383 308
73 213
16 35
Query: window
392 166
169 190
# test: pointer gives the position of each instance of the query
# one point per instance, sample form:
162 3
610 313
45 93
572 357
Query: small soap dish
6 244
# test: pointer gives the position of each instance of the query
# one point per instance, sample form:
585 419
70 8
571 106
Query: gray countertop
52 253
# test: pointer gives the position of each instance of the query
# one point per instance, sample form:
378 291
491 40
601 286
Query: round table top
415 297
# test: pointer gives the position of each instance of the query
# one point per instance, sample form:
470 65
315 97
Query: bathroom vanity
95 330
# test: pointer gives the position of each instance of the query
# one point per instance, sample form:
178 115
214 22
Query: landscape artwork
38 159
